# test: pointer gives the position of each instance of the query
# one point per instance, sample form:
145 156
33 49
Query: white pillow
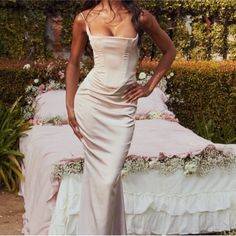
50 104
155 102
53 103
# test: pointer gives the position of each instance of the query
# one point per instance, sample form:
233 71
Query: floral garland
71 167
200 164
35 89
165 115
31 93
56 120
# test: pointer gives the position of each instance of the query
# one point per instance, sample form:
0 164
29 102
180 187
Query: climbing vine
212 21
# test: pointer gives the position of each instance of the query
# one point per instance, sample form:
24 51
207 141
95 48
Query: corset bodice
115 59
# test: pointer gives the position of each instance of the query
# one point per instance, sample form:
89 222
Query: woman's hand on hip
74 124
135 91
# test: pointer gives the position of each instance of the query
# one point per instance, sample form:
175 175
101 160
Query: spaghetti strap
81 13
86 23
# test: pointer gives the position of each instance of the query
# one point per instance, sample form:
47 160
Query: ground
11 210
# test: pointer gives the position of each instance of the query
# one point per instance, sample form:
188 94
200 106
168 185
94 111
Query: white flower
29 100
61 74
36 81
162 85
34 89
124 172
168 77
190 167
152 163
26 67
29 88
142 75
172 74
154 115
82 64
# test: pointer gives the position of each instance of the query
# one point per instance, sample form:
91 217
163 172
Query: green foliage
204 89
12 127
208 130
13 81
23 25
232 42
21 34
204 128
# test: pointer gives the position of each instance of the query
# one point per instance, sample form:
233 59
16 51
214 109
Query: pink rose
41 87
35 121
61 74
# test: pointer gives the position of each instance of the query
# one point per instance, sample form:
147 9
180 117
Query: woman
101 111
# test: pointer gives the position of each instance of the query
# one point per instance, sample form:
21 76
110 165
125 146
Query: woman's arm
165 44
79 39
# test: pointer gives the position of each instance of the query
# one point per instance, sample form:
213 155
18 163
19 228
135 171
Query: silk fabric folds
107 124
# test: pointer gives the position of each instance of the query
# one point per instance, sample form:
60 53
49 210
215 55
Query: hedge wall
206 90
22 24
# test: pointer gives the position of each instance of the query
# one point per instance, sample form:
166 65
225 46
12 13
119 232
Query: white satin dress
107 124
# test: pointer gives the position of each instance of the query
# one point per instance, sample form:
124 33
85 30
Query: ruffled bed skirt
160 204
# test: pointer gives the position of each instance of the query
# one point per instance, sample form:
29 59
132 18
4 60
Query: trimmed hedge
204 90
14 79
201 89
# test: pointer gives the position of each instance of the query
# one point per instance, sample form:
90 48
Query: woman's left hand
135 91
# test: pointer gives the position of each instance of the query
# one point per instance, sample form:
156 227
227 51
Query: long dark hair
130 5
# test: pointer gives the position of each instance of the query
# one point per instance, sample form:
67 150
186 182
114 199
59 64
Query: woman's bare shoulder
80 16
80 22
87 15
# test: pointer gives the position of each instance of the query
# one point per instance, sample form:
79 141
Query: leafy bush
202 89
22 24
20 37
208 130
14 78
12 126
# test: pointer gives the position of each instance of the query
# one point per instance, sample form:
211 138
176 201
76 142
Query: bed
174 181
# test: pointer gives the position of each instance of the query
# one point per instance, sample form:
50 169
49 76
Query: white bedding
154 203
